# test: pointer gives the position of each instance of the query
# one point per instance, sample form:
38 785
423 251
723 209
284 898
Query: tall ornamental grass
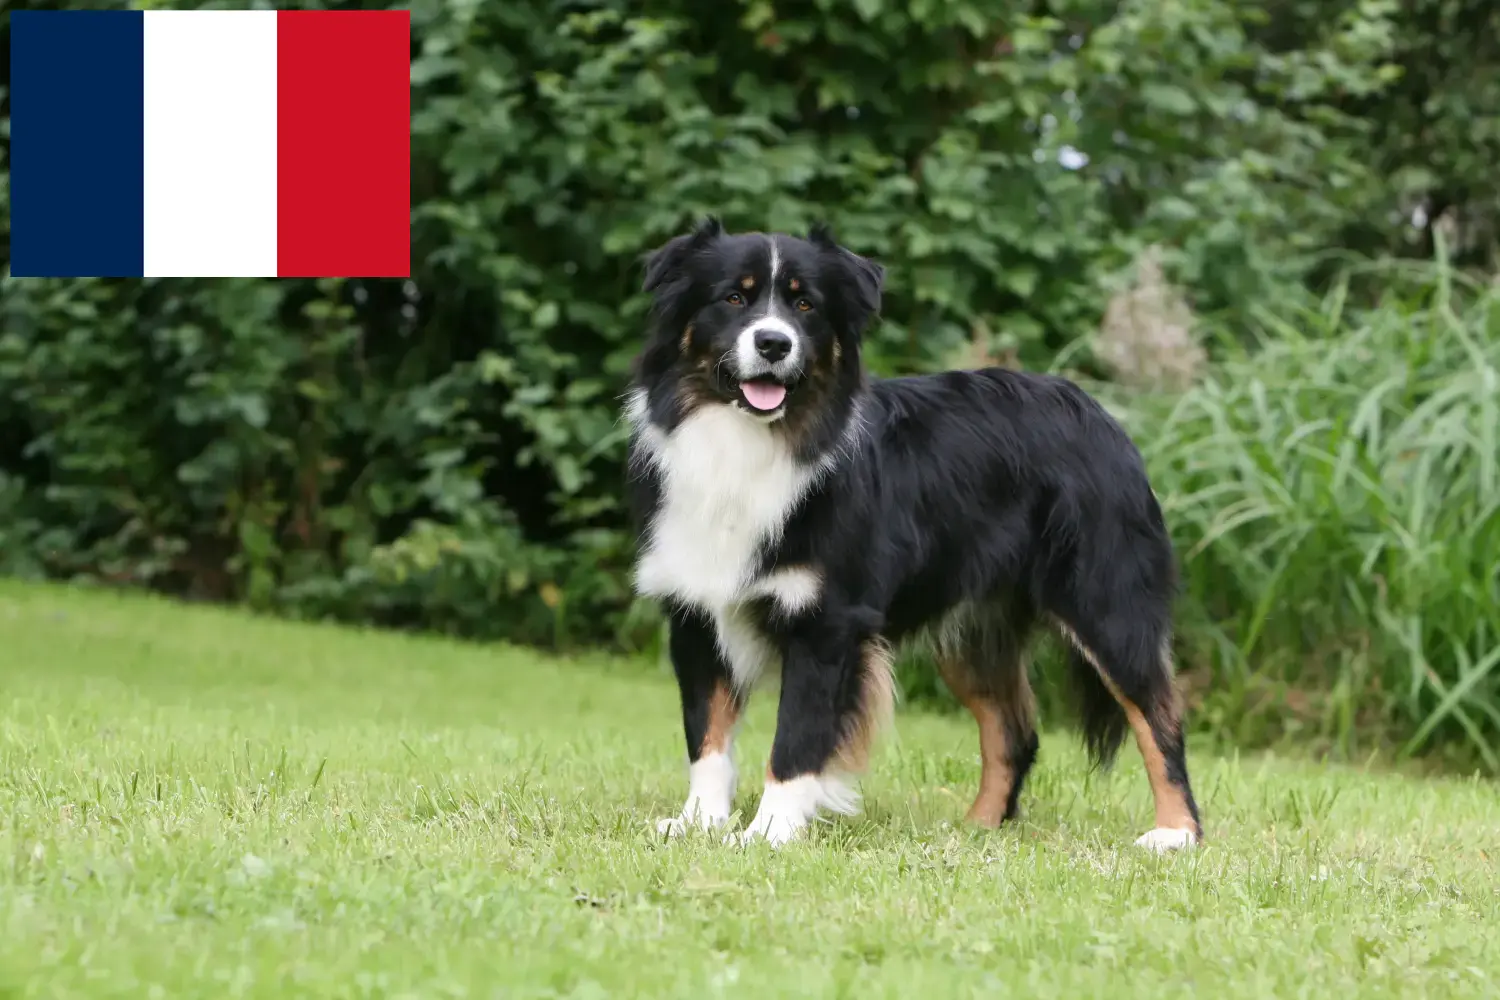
1334 493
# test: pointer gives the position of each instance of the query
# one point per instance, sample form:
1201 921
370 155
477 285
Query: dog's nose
773 345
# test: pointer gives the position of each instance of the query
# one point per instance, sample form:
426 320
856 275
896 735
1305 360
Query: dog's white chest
728 486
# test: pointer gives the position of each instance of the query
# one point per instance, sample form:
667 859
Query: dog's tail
1099 712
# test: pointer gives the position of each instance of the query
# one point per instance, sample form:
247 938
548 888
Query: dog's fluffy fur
797 515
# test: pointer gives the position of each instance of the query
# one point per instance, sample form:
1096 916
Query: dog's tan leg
1157 728
823 740
1001 701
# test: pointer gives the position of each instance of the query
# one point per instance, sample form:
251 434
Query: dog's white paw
787 807
691 819
710 797
775 828
1165 839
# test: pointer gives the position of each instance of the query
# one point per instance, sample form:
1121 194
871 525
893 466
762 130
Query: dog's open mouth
762 394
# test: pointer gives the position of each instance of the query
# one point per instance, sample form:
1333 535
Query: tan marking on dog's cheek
687 339
838 351
688 400
818 386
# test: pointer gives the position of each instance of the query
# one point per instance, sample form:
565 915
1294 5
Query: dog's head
767 323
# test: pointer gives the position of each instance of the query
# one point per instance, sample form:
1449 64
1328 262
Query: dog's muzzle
767 364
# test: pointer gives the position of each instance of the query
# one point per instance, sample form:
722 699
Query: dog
797 515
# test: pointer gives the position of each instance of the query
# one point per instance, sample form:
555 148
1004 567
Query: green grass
198 803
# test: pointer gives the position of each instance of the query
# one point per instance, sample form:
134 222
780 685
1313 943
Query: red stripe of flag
343 144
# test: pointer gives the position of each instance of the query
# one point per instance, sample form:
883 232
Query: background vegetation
1106 187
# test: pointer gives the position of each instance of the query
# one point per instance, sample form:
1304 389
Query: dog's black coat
1014 496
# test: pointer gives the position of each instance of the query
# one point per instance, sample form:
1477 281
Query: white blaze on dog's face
761 323
769 348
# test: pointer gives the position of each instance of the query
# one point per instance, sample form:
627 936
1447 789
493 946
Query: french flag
210 143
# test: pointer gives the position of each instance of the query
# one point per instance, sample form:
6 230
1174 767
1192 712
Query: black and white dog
798 515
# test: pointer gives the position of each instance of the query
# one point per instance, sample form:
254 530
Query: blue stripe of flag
77 143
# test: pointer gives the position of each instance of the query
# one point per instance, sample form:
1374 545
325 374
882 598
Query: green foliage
1434 134
1335 497
445 452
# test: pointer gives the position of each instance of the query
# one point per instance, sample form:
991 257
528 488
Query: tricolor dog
800 517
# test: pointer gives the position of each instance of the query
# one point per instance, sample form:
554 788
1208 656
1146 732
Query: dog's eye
735 299
803 305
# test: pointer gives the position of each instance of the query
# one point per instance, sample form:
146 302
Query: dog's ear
864 278
869 285
667 260
820 234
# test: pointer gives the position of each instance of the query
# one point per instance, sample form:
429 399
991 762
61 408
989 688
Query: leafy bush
445 452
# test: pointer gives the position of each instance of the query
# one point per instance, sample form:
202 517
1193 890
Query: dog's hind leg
1133 664
983 662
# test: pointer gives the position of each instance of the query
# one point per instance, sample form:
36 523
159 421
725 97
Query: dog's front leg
711 709
835 696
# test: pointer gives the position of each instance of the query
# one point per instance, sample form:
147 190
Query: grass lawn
197 803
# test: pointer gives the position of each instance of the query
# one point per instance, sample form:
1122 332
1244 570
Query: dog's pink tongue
763 395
